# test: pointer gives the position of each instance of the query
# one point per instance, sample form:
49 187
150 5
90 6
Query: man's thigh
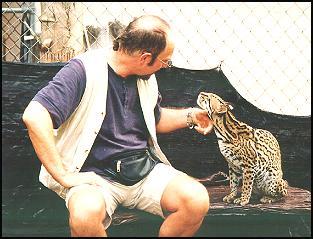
86 195
154 186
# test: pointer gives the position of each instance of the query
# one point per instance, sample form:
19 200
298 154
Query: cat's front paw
229 198
267 199
241 201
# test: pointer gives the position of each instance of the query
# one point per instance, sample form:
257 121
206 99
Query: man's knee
195 198
187 194
86 206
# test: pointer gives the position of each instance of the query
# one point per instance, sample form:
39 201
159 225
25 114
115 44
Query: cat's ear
230 107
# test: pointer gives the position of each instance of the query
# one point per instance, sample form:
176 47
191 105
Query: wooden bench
288 218
37 211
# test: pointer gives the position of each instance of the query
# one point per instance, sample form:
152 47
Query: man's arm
40 128
173 119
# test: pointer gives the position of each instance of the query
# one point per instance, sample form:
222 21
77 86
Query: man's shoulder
76 63
93 54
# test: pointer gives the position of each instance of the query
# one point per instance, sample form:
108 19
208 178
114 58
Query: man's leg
187 201
87 212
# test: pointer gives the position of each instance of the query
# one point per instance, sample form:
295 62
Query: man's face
145 70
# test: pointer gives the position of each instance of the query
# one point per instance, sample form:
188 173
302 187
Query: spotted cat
253 155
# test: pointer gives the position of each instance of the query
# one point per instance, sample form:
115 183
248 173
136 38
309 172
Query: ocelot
253 155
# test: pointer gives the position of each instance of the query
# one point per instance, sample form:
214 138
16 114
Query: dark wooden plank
38 211
298 202
290 217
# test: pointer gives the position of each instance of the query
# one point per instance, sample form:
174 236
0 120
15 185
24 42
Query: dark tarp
189 151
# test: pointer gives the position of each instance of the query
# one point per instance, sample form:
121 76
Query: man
102 112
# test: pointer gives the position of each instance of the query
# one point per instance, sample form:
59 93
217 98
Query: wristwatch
190 122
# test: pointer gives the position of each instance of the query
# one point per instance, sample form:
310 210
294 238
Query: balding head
147 33
150 23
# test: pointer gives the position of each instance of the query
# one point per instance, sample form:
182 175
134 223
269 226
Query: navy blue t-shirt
123 127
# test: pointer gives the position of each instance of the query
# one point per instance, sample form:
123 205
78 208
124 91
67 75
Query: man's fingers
200 130
204 131
208 129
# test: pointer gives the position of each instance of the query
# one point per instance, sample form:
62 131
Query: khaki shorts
144 195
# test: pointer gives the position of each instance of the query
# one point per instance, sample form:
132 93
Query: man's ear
145 57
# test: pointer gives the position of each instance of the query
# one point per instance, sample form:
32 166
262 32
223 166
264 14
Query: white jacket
75 137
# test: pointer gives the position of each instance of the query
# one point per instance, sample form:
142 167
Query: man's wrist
189 118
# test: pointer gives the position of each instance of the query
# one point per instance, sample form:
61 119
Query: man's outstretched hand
203 124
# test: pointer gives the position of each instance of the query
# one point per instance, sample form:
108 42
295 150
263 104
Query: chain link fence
264 48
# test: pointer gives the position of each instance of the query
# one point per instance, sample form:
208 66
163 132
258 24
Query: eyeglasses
168 63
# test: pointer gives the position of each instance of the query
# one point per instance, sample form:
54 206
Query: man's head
148 38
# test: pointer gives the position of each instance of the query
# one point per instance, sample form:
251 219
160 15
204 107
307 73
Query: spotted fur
253 155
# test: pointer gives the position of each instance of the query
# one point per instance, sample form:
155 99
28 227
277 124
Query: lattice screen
265 48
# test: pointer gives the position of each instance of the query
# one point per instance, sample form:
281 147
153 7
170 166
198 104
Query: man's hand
203 123
75 179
